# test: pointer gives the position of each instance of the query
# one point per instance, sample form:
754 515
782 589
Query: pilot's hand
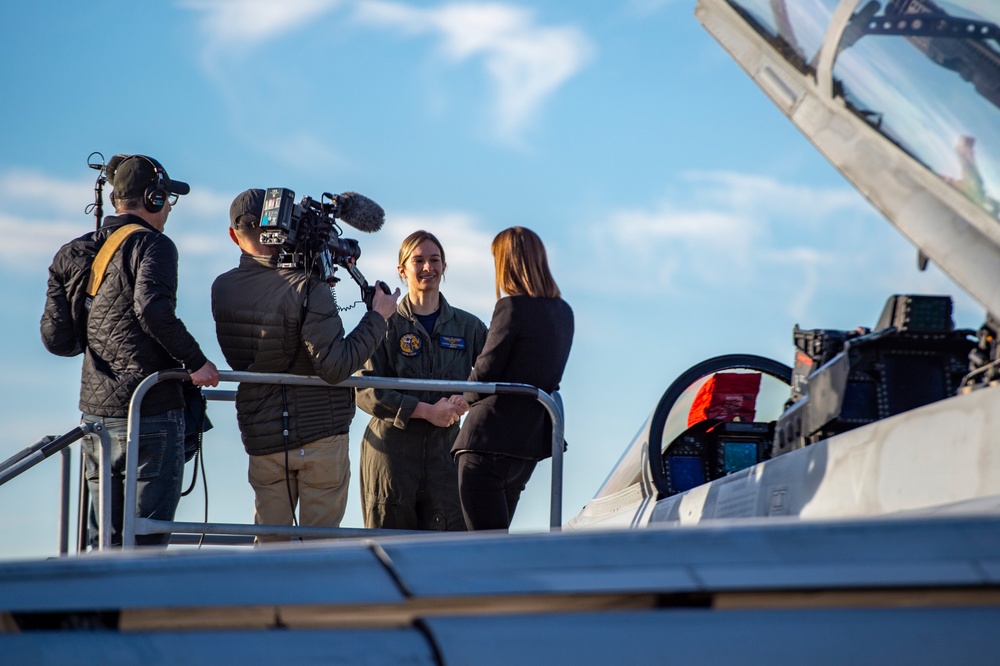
442 413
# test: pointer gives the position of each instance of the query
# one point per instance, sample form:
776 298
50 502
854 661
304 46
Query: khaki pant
318 475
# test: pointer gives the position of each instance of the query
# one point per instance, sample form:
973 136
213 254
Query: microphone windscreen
360 212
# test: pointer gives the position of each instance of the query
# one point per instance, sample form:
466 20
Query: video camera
311 239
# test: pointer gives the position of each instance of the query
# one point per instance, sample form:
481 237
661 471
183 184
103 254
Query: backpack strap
106 253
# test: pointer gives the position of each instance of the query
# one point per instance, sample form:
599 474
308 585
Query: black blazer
528 343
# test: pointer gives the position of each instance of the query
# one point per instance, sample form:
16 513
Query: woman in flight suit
408 477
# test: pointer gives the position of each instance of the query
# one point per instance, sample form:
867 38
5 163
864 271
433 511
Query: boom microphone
359 211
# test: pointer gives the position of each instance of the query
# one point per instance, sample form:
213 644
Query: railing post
132 451
65 459
104 483
558 443
82 513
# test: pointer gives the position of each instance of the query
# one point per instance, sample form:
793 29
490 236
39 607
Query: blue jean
159 479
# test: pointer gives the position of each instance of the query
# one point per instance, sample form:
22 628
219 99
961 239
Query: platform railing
48 446
133 525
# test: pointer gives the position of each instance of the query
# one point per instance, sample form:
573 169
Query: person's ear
232 234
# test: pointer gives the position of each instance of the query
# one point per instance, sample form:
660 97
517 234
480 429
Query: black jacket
133 329
271 319
528 343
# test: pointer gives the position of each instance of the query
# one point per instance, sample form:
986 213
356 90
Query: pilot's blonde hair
411 242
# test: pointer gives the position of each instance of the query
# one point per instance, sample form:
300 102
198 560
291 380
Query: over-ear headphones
155 195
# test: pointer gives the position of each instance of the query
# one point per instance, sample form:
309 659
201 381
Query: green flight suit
408 477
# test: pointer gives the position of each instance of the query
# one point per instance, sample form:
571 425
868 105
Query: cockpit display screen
738 455
686 472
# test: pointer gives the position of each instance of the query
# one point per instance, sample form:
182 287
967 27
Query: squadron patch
409 344
452 342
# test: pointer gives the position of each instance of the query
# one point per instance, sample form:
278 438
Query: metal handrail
132 524
50 445
47 446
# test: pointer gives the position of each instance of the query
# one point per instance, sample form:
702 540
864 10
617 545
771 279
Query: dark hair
123 204
521 264
410 243
252 236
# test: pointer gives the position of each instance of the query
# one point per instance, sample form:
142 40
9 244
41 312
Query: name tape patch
452 342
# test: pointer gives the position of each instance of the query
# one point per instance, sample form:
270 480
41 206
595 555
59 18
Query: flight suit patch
451 342
409 344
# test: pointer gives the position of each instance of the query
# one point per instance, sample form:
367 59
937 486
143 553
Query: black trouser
490 485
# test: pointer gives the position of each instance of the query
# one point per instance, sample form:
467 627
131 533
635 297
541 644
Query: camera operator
285 320
132 332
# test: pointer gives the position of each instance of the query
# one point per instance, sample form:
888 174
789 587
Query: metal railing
133 524
50 445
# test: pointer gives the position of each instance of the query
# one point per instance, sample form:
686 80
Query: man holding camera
286 320
133 332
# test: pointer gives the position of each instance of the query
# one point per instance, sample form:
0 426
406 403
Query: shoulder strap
108 250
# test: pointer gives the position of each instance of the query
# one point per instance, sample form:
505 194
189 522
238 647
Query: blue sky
684 216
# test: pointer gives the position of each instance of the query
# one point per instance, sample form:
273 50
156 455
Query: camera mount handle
367 291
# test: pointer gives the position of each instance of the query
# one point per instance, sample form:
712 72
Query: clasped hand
446 411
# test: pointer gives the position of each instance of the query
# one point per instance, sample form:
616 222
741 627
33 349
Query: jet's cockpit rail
715 419
733 412
753 388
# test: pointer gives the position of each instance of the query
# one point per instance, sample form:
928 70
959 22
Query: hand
385 304
459 401
206 375
442 413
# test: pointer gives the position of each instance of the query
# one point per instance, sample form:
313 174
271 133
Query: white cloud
525 61
197 225
204 203
246 24
31 242
667 223
750 236
38 213
760 194
648 7
59 195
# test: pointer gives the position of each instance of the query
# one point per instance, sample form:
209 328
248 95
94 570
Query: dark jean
490 485
159 478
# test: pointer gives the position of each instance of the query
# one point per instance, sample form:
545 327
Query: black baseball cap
130 175
246 209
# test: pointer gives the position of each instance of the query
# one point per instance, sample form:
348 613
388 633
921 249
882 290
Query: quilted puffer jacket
271 319
133 329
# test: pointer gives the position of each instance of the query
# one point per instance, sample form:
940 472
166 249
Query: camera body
310 238
307 233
